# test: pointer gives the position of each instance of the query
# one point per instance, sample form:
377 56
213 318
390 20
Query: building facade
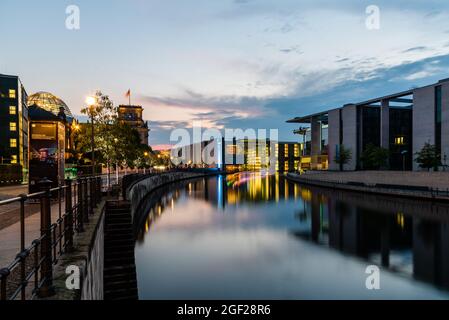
13 130
241 155
401 122
50 139
132 116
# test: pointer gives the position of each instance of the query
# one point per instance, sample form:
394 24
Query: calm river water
254 236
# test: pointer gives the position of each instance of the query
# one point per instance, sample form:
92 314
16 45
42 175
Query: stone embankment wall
88 258
141 189
362 183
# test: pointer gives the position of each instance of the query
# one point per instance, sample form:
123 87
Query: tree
429 157
116 143
104 115
127 149
343 156
374 158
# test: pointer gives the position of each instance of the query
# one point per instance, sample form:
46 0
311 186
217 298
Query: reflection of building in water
431 252
402 242
406 236
259 187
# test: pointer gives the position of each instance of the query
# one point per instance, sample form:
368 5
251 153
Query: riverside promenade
428 185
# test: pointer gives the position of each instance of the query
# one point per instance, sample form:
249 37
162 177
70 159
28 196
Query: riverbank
424 185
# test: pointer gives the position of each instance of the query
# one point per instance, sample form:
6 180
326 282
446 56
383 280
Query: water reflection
287 231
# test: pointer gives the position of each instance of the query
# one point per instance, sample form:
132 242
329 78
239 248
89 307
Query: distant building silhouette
132 116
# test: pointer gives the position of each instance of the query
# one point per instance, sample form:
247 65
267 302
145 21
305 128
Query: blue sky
229 63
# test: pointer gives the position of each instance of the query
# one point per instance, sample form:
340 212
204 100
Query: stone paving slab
10 236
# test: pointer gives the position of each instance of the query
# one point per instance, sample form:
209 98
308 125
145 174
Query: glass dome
49 102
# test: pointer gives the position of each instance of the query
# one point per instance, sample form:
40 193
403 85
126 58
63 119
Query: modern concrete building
402 122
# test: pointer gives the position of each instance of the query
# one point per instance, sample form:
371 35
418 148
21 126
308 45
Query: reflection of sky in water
256 240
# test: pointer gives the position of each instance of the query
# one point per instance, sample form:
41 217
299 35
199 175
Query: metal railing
30 275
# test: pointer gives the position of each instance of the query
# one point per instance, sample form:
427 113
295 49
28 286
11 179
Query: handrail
37 260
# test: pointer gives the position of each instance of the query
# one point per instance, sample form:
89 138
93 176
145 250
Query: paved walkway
10 235
438 180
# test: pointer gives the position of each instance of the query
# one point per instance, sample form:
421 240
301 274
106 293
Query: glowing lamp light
90 101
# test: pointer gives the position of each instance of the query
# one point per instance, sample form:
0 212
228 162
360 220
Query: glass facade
50 103
401 136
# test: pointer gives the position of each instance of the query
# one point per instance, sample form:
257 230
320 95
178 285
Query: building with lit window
133 116
246 155
241 155
51 125
13 130
401 122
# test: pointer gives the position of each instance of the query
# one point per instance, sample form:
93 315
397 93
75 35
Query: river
259 236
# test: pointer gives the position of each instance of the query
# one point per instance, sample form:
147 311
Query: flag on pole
128 95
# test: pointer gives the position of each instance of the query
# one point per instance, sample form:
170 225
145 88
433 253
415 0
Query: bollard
68 221
79 206
85 204
46 289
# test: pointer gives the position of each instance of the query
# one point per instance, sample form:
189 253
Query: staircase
120 278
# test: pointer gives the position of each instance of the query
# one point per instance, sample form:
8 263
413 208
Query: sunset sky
230 63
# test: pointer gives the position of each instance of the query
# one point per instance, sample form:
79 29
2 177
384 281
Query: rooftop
403 98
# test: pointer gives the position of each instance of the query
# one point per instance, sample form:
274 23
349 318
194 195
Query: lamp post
403 153
116 160
302 131
145 154
91 101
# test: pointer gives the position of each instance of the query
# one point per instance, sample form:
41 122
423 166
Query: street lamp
91 101
145 154
116 160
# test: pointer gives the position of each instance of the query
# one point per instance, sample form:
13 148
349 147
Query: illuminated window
14 159
12 126
12 110
297 151
399 141
13 143
12 94
297 165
